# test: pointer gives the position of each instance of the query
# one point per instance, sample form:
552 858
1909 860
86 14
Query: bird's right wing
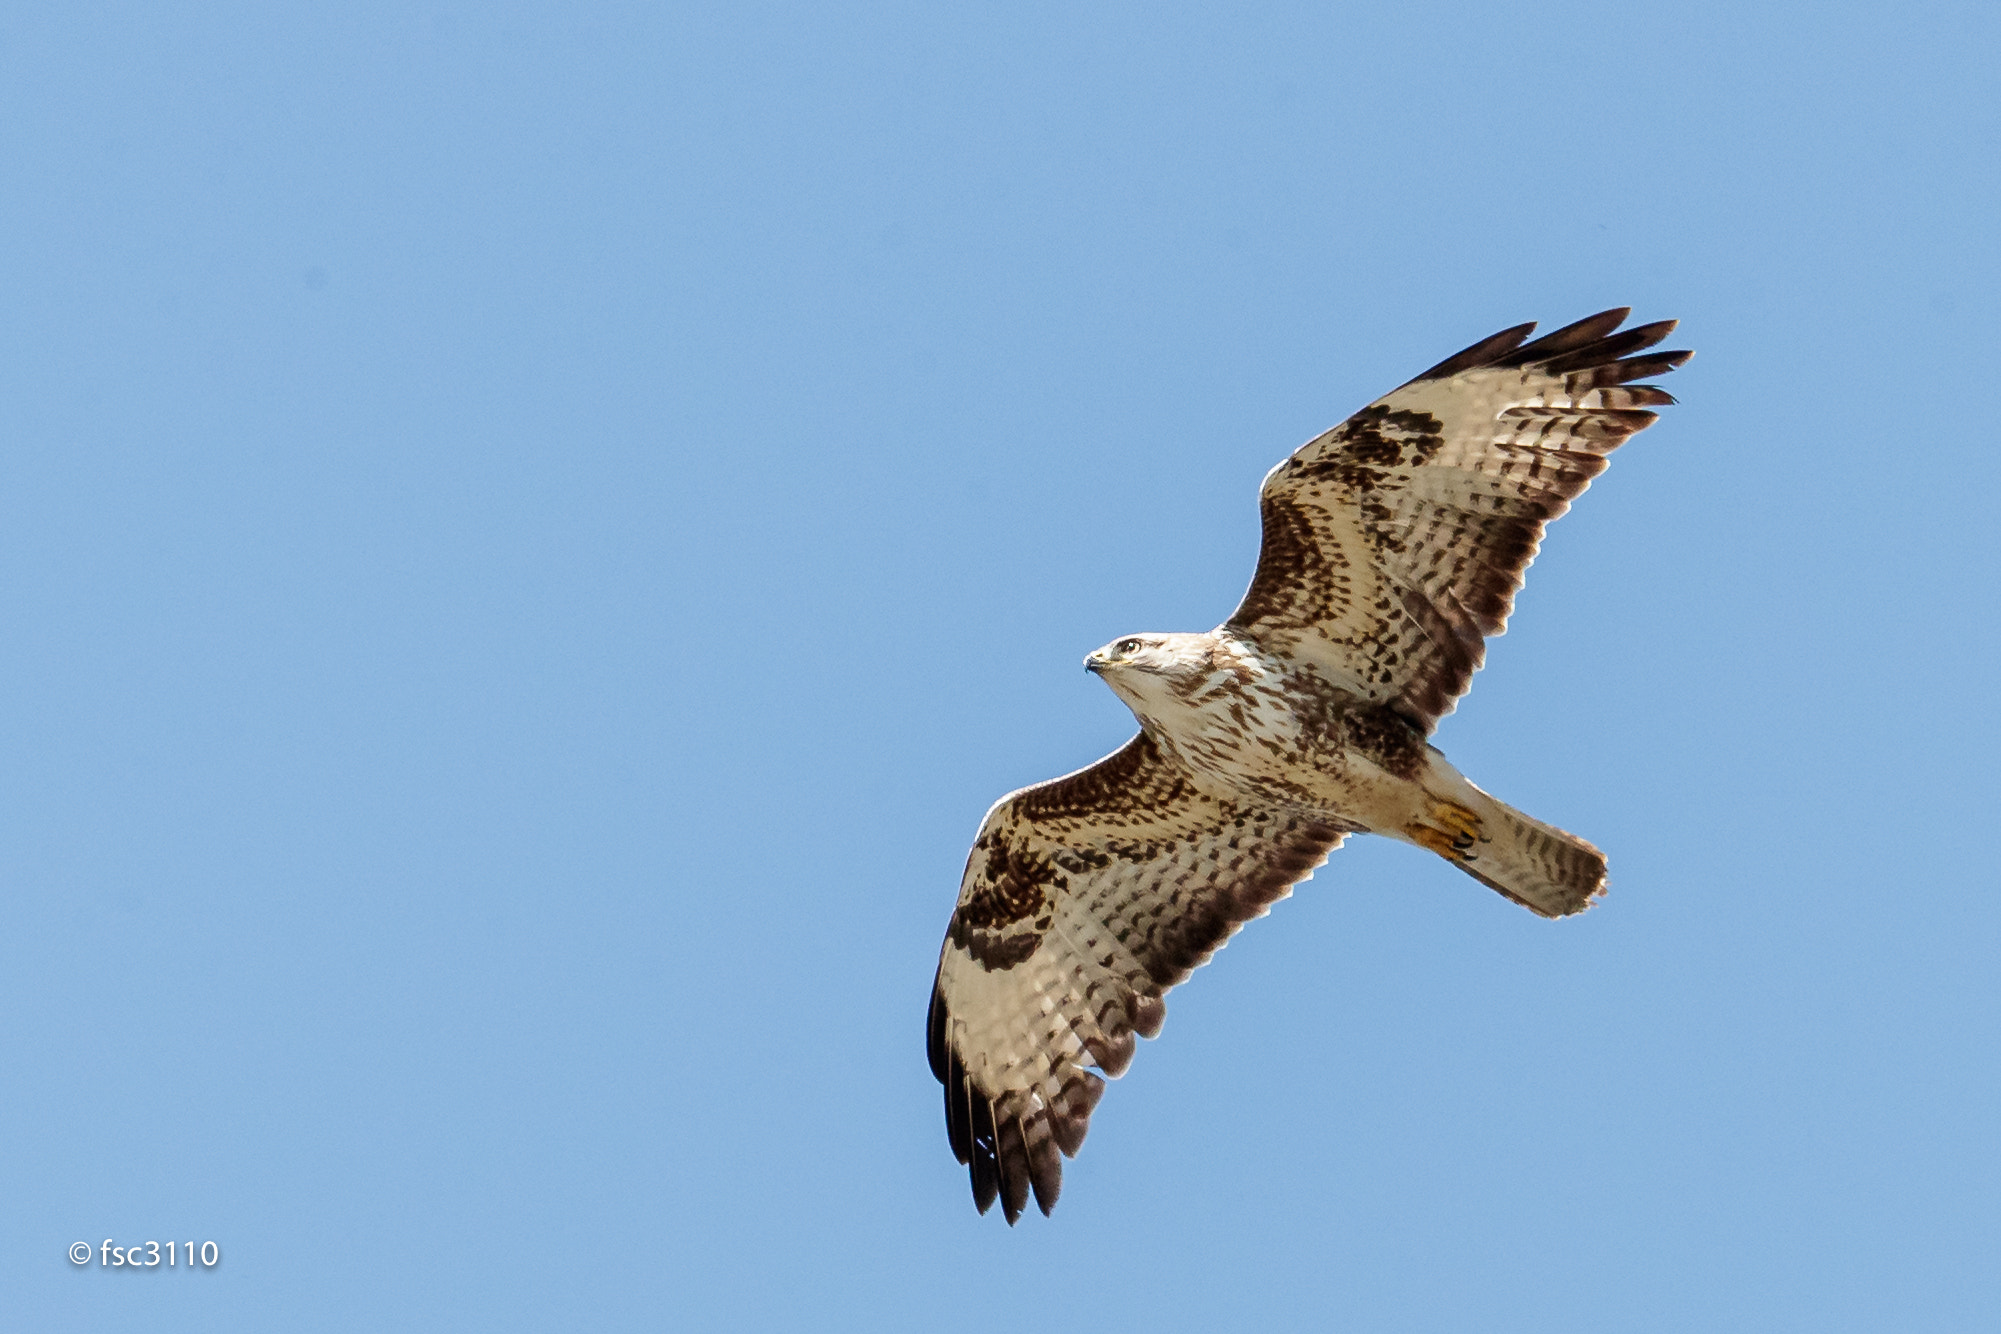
1083 901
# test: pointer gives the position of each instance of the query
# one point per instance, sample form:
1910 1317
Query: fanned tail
1539 866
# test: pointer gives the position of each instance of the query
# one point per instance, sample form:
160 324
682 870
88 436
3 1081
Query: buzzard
1393 546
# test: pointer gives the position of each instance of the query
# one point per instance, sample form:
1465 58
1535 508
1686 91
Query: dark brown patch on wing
1369 444
1299 579
993 949
1013 884
1006 906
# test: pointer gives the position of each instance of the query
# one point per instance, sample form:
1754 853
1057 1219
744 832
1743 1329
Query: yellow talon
1465 825
1437 840
1456 839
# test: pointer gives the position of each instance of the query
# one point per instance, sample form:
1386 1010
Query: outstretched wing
1394 543
1084 900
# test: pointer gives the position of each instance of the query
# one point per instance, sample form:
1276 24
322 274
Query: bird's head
1152 672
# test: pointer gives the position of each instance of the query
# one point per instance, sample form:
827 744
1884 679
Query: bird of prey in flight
1393 546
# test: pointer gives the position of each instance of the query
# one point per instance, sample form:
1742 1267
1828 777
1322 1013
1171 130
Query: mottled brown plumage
1393 547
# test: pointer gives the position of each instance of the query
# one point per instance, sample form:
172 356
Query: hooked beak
1095 662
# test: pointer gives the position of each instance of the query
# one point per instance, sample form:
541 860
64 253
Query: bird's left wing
1084 900
1394 543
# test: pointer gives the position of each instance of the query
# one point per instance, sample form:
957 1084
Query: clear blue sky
530 535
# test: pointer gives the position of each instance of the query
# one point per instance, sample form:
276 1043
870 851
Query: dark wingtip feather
1045 1164
958 1112
1482 353
1011 1154
1011 1158
934 1034
1588 344
1567 339
985 1164
1608 349
1070 1112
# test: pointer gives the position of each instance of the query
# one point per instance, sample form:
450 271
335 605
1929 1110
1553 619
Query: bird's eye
1125 648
